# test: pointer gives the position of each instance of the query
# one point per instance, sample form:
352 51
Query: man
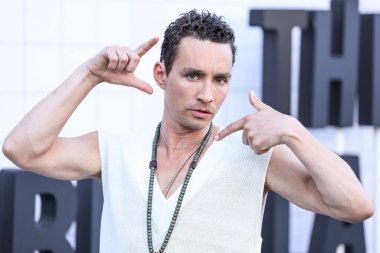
205 191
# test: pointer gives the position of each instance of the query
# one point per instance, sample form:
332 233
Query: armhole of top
103 147
265 194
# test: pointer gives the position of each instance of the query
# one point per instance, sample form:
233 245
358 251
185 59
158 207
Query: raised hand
115 64
261 130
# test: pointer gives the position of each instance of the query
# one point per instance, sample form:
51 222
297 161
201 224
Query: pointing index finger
231 128
146 46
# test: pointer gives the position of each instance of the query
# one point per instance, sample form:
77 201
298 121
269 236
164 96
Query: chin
195 124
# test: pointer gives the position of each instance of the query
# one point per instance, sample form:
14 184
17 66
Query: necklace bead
153 167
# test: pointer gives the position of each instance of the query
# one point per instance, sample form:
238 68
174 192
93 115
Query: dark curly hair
202 26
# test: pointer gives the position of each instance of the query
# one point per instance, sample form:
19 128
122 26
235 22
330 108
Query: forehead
203 54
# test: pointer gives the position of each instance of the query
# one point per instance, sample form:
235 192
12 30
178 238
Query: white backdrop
42 41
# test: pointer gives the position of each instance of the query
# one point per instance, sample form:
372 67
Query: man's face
198 82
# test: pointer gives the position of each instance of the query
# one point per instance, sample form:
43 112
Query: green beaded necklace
153 166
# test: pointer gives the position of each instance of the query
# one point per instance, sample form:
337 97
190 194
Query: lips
202 111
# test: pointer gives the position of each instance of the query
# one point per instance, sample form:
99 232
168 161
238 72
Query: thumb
141 85
256 102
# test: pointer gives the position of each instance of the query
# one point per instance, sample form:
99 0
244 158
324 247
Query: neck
179 137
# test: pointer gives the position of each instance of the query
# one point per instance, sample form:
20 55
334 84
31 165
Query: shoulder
128 140
117 138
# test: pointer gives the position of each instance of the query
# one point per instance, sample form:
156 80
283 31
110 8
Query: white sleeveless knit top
221 211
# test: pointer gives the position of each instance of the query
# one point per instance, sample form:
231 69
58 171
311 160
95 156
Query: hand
115 64
261 130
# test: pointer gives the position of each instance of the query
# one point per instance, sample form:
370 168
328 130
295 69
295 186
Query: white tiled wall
42 41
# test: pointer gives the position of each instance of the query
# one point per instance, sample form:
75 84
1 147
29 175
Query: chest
172 170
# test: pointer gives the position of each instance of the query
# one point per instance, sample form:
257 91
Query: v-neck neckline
196 176
163 207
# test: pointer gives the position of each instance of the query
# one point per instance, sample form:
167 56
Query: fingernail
217 137
253 93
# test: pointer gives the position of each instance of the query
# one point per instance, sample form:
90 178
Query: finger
134 60
244 138
123 59
145 47
141 85
231 128
112 57
256 102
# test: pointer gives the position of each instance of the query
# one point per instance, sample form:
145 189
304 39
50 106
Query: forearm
338 186
38 130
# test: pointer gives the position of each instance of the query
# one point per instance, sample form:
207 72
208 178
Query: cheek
175 98
221 94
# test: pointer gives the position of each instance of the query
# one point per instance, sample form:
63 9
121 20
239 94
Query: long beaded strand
153 166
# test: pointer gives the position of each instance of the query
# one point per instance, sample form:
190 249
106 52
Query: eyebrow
193 71
226 75
201 72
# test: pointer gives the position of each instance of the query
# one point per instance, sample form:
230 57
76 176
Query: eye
221 80
192 76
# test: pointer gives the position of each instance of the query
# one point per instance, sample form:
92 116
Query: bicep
288 177
70 158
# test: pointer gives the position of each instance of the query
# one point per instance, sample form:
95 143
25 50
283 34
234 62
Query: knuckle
135 59
108 48
112 48
113 59
123 60
230 127
256 143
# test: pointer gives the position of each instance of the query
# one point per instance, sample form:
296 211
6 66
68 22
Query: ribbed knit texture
221 211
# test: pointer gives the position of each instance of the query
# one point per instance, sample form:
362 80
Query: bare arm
34 143
302 170
320 180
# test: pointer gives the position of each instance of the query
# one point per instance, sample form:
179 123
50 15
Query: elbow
360 212
8 149
12 151
366 211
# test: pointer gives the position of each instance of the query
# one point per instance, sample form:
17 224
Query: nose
205 94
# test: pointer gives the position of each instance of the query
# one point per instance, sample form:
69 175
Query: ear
159 73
